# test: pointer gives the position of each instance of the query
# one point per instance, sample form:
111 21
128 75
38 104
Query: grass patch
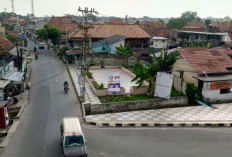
95 84
117 98
175 93
90 75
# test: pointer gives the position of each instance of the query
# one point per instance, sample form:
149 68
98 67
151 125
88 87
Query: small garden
142 72
118 98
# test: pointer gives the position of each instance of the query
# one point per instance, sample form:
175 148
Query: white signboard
114 77
163 85
114 83
206 86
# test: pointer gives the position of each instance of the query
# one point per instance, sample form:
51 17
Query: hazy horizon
121 8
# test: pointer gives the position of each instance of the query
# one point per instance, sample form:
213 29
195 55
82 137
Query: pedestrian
34 49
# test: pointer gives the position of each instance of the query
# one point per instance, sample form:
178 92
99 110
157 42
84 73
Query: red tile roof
211 61
106 30
24 22
223 26
5 45
62 23
152 26
195 25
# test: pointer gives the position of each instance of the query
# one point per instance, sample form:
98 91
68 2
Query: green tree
9 27
15 40
176 23
52 33
42 34
207 22
126 53
137 22
161 21
191 92
148 72
190 16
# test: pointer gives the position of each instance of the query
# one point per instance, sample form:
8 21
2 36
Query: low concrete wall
136 105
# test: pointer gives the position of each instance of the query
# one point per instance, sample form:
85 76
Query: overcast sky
121 8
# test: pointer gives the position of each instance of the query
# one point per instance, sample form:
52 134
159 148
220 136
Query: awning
4 83
16 76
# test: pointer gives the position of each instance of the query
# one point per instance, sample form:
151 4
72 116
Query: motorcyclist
66 85
36 55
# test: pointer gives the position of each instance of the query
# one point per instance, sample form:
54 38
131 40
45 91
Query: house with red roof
5 45
209 69
63 23
135 35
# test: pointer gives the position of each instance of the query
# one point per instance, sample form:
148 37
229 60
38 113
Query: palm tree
148 72
126 52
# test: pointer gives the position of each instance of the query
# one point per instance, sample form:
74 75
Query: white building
159 42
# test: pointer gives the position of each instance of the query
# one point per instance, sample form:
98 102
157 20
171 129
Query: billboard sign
216 85
114 83
163 85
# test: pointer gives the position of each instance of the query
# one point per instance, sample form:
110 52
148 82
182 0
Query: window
103 48
151 42
225 91
163 41
74 140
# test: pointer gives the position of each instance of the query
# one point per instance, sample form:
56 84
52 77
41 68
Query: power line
85 12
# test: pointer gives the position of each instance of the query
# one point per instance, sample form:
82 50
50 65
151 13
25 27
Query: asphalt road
38 132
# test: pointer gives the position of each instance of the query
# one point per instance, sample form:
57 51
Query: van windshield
74 140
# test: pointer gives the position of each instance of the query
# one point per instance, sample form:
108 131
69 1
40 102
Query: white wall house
159 42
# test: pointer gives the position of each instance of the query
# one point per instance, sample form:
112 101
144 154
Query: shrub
91 63
90 75
101 86
95 84
191 91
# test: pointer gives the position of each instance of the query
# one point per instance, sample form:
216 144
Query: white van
73 140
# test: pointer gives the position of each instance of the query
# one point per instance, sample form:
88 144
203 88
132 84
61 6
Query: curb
77 94
162 124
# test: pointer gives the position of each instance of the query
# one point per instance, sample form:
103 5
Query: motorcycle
66 89
36 55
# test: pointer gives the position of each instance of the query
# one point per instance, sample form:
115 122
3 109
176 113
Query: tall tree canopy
176 23
52 33
190 16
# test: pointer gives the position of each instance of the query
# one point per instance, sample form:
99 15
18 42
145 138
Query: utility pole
85 46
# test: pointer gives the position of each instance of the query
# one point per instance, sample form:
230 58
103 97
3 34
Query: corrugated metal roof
208 60
111 40
14 76
3 83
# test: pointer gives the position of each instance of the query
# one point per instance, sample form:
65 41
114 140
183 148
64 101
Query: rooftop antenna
32 8
12 6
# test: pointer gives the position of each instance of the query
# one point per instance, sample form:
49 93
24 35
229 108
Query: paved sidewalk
89 95
184 116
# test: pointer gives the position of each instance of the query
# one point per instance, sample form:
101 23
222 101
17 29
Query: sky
121 8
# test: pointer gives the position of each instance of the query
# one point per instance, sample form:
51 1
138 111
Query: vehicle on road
66 88
41 46
73 140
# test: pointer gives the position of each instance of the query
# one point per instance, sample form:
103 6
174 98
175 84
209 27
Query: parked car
41 46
